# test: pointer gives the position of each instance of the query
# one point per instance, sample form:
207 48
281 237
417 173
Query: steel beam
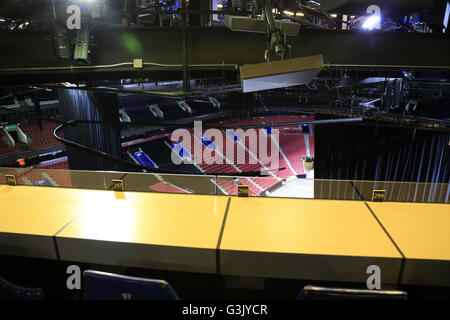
29 57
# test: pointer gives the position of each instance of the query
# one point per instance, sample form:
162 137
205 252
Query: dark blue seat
10 291
322 293
108 286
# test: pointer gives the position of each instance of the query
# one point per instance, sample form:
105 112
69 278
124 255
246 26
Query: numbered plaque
243 191
117 185
378 195
10 179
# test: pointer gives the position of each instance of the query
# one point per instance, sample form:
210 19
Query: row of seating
37 139
291 142
240 153
108 286
294 152
165 188
46 176
41 139
59 164
293 146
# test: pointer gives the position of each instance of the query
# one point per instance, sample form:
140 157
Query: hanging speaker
280 74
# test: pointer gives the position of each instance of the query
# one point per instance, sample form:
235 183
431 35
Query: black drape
99 106
370 151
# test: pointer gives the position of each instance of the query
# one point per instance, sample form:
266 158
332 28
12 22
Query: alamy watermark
74 19
374 280
212 146
74 279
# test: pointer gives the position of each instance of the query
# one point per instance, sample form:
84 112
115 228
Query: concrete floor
296 188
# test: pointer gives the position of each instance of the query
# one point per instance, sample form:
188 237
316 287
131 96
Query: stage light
82 52
333 15
214 102
371 22
184 106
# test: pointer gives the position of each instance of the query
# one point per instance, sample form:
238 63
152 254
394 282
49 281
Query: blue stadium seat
208 142
322 293
9 291
144 159
108 286
306 128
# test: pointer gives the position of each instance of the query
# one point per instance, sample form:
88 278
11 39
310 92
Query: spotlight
156 111
214 102
408 75
371 22
184 106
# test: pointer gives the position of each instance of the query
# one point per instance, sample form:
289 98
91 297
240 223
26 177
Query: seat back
108 286
322 293
10 291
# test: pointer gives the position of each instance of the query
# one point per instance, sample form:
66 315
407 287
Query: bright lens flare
371 22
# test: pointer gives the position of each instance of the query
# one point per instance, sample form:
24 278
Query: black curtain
375 152
88 105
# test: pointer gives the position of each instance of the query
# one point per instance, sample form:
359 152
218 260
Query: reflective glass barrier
270 186
393 191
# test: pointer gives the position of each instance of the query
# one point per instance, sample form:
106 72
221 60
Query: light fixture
333 15
300 14
288 13
184 106
82 52
371 22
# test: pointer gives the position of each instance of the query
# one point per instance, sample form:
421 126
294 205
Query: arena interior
326 123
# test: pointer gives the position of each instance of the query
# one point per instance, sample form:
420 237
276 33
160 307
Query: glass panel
270 186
